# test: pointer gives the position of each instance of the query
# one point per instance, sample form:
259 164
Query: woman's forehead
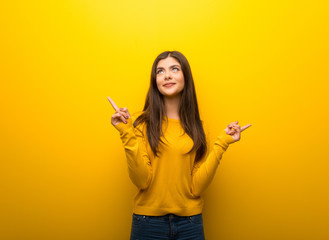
168 62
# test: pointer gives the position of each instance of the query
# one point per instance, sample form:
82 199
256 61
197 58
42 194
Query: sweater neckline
173 120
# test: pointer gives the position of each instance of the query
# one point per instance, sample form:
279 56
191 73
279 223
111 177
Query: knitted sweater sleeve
204 171
138 160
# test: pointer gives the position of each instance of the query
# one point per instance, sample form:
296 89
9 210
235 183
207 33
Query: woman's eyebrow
169 67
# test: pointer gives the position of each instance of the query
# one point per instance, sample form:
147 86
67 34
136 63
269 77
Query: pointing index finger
113 104
245 127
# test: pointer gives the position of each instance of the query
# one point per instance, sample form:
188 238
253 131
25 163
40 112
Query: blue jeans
169 227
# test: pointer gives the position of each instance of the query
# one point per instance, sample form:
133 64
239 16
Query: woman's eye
161 70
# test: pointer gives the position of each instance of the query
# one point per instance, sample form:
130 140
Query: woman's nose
168 75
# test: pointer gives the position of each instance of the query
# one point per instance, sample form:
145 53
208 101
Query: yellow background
63 170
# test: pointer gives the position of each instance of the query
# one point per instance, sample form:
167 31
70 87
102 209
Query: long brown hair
154 109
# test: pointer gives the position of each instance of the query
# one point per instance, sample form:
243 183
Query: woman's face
169 71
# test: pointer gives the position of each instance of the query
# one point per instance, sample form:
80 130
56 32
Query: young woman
166 151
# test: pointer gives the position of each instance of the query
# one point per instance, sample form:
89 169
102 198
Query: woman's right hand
120 115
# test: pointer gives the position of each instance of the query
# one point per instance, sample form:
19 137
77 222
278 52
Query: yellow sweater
170 183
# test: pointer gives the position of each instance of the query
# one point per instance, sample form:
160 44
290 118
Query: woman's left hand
234 130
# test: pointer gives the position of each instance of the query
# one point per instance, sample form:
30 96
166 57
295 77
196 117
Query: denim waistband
167 216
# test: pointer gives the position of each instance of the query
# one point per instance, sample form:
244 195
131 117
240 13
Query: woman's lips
169 85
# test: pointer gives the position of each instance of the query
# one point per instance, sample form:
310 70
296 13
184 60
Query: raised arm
134 143
204 171
138 160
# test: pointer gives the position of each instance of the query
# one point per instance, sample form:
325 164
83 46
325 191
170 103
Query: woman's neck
172 107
